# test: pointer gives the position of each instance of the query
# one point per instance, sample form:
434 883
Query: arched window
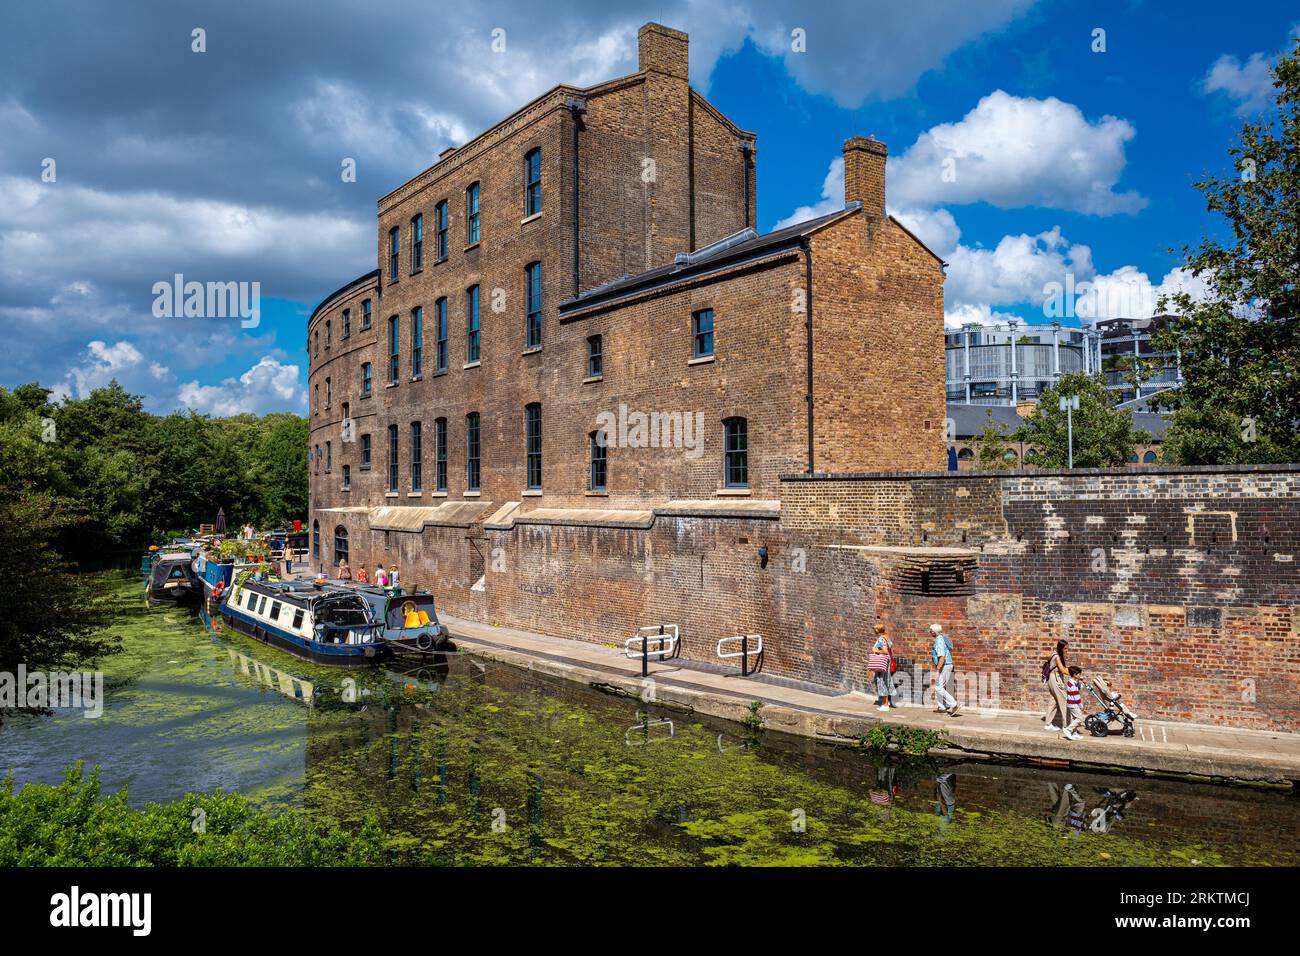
1010 455
533 182
736 453
315 540
340 544
1149 458
965 454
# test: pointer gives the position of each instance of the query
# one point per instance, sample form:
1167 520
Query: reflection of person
945 797
885 791
1069 806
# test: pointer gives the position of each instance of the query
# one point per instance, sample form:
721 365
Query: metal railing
750 645
666 639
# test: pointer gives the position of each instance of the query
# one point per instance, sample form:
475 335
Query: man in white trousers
941 655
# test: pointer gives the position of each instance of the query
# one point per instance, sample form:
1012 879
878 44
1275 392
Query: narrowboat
408 622
172 579
312 620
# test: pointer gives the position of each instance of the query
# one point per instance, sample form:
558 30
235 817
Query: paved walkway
829 714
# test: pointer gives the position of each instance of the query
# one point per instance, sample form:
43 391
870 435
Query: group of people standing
883 666
390 578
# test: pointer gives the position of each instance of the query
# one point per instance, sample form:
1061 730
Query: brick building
573 312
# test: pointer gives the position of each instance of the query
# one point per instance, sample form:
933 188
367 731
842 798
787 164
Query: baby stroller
1113 709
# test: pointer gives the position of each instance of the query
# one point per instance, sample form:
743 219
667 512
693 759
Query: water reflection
471 762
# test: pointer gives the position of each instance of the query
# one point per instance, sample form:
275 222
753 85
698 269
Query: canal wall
1179 585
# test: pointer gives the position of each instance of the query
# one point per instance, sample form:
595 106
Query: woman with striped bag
881 663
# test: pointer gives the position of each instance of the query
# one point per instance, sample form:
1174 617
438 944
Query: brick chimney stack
864 174
662 50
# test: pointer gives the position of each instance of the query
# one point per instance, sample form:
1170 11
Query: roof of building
746 244
969 420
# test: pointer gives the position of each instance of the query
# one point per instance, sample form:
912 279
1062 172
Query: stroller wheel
1128 730
1096 726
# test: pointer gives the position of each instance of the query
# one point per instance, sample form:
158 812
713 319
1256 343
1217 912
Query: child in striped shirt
1073 704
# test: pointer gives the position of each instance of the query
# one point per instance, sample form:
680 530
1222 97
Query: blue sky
223 165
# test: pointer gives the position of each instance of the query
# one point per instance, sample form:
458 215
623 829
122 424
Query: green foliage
1239 349
1104 436
994 443
76 824
755 720
914 741
130 476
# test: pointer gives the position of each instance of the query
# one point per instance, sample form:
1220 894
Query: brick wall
1169 636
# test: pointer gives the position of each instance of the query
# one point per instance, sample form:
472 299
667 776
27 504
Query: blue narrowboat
312 620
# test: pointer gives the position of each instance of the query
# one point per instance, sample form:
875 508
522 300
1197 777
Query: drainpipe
808 334
577 108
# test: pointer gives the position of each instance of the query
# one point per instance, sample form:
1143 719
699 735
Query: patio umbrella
221 520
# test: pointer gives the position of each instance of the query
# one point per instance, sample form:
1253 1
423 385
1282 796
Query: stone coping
1129 472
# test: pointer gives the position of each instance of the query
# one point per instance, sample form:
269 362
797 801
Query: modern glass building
1014 362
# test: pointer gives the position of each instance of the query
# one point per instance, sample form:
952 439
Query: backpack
1047 668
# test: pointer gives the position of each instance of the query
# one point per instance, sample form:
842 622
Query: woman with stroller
1055 673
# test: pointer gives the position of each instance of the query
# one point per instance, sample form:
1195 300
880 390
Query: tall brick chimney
662 50
864 174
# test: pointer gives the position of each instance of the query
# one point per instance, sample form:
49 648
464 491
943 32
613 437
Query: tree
995 444
1104 436
1239 348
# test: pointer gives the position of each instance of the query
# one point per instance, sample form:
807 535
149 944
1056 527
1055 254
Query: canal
474 762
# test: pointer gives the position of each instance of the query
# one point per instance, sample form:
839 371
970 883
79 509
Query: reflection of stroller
1113 709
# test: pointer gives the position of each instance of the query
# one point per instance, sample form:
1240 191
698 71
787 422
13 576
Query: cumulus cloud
832 198
226 165
266 387
1011 151
102 363
968 314
1249 83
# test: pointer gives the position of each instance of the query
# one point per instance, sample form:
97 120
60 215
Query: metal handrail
750 644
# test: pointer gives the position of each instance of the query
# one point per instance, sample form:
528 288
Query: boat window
249 599
275 611
261 605
297 619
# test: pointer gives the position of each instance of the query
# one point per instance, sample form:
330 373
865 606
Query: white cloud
934 227
1128 293
967 314
1012 151
1016 270
831 201
855 51
268 386
102 363
1249 83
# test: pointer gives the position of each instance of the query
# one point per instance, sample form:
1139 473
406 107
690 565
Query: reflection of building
983 368
966 423
1006 364
1121 339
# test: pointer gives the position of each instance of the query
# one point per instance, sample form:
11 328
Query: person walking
880 663
1073 702
381 576
392 576
941 655
1055 671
